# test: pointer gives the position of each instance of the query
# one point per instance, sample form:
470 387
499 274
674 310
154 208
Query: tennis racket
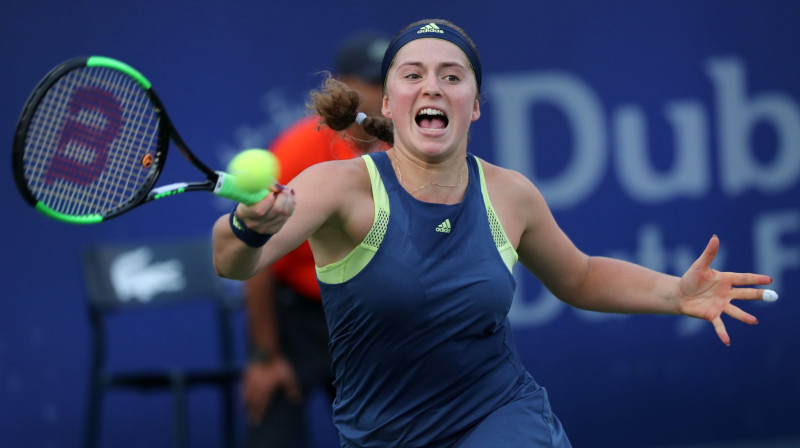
91 143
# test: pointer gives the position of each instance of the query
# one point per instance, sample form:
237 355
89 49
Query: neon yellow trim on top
347 268
507 252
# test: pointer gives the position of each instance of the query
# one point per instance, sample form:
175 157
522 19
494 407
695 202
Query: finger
740 315
737 278
278 216
249 406
769 295
722 333
285 203
253 400
261 408
247 386
254 415
277 187
766 295
708 255
255 211
293 392
255 406
245 395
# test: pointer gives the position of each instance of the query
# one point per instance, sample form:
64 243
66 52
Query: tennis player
414 249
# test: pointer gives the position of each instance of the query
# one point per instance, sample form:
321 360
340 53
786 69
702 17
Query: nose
431 86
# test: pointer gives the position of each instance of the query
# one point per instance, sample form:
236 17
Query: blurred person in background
289 335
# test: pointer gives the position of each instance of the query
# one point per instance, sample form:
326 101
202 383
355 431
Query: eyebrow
446 64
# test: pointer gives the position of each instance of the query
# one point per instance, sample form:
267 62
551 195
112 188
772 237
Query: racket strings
85 144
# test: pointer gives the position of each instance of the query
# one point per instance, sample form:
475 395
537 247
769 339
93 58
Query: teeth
430 111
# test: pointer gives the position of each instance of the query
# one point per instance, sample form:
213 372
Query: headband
436 31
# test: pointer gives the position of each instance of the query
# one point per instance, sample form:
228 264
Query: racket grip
228 189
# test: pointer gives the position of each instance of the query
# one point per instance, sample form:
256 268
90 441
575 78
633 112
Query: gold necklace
361 140
400 178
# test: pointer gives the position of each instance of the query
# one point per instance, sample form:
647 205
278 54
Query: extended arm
235 259
617 286
333 204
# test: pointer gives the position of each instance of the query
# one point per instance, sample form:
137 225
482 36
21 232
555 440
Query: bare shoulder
334 176
508 183
334 201
515 199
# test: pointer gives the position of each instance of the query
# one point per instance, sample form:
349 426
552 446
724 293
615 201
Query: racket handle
228 189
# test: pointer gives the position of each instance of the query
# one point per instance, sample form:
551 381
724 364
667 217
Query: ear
476 110
385 110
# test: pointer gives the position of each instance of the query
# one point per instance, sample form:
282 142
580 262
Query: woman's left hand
706 294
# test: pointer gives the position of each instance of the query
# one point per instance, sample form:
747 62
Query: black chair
124 278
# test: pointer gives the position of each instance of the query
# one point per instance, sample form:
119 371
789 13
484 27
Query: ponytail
336 103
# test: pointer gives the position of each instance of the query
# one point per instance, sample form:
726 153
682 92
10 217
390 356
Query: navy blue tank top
421 344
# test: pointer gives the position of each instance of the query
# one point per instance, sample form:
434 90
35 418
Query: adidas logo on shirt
444 227
430 28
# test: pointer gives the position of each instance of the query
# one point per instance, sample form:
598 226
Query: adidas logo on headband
433 30
430 28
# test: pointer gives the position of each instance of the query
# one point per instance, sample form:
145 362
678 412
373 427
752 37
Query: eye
412 76
452 78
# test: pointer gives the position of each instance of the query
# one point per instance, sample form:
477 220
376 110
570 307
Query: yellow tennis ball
254 169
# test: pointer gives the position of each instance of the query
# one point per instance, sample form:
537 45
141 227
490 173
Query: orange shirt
297 148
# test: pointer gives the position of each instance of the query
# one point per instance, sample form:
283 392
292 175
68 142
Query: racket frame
214 182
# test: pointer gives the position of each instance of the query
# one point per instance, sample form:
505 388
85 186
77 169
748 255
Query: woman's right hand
269 214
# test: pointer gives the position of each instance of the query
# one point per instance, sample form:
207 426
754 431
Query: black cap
361 55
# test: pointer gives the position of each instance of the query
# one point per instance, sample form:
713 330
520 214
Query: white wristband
360 118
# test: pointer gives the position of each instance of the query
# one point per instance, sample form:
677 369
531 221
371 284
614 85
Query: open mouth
430 118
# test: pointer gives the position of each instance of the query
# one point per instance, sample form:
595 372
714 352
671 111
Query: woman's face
432 97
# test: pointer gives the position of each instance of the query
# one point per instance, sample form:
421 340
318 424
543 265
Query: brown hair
337 104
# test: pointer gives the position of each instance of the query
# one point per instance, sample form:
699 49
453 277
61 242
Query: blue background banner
648 126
